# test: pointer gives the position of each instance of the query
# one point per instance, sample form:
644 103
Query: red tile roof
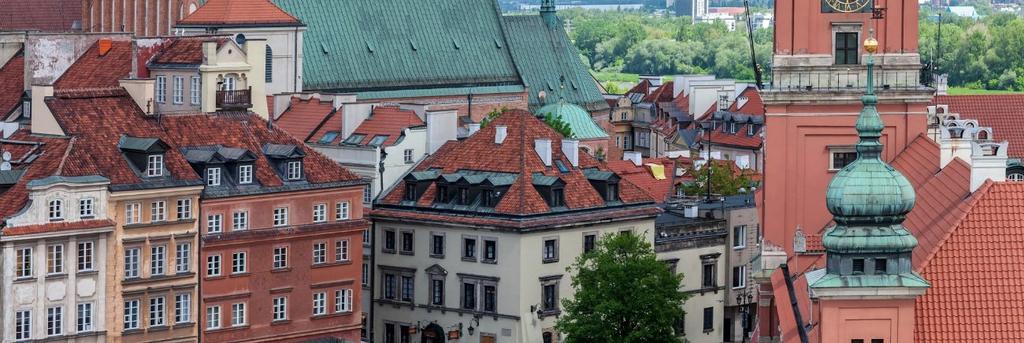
1000 112
642 87
739 139
94 71
41 15
754 104
304 117
389 121
12 83
58 226
919 161
516 155
642 176
185 50
941 197
976 273
239 13
50 152
662 94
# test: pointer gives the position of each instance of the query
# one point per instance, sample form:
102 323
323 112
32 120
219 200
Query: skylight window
329 137
355 138
378 140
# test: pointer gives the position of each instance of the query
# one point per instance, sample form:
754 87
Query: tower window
847 48
858 266
881 266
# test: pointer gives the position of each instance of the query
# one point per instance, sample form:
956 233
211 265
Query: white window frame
279 309
832 151
132 261
182 257
407 156
742 235
341 250
158 211
280 216
320 213
85 253
238 315
157 260
341 210
319 303
83 317
213 265
161 89
212 317
343 300
184 209
182 308
23 325
55 259
245 174
213 176
238 262
240 221
56 209
86 208
155 165
294 170
54 321
742 277
195 90
280 258
23 262
132 213
157 311
215 223
179 90
131 314
319 253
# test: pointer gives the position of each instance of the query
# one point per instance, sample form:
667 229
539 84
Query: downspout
295 61
796 307
373 287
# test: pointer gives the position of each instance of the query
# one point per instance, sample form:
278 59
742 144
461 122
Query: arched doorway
433 333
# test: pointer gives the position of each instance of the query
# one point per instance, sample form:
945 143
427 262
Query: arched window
269 64
56 209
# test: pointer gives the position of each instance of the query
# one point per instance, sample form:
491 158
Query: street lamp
708 126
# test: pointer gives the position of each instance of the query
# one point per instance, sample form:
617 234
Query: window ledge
242 274
489 261
550 260
407 253
281 270
441 256
469 259
330 315
58 276
127 332
547 313
183 325
87 272
157 328
280 322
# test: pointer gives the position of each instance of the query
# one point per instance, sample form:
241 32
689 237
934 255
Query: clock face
846 6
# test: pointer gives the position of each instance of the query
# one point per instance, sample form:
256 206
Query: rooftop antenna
753 55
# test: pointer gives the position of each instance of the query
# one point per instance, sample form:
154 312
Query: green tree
622 294
723 180
491 116
559 125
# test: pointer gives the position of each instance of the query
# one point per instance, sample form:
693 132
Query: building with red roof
12 85
513 201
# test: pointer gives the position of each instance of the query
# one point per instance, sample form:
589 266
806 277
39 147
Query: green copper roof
583 126
893 280
448 91
361 45
545 57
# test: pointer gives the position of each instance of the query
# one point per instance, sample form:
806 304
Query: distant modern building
473 244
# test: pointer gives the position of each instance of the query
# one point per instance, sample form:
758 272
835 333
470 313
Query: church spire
868 199
547 11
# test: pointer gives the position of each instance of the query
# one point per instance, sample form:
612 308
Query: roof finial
547 11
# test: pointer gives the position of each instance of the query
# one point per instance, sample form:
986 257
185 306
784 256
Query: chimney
43 121
419 109
442 126
543 148
571 150
500 132
104 45
633 156
955 141
988 162
677 85
473 128
256 57
690 210
8 129
352 115
142 91
941 83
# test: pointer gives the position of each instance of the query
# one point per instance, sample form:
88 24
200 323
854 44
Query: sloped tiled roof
41 15
50 153
919 161
975 273
12 83
58 226
662 94
388 121
363 45
516 156
549 62
754 104
642 176
304 117
92 70
937 199
1002 113
239 13
185 50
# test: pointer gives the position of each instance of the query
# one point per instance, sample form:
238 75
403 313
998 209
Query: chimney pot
500 132
633 156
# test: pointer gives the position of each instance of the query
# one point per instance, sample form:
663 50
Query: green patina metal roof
361 45
583 126
549 62
449 91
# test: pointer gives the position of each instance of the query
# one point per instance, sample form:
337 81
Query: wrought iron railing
839 80
234 99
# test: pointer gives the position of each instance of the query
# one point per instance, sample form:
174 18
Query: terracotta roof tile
94 71
239 12
975 272
185 50
739 139
516 155
1000 112
388 121
919 161
42 15
50 154
304 117
58 226
939 197
642 176
12 83
662 94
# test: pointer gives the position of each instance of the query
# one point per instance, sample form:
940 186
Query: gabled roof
516 156
184 50
12 83
1000 112
41 15
548 61
975 272
643 175
365 45
93 70
304 118
662 94
387 121
239 13
754 104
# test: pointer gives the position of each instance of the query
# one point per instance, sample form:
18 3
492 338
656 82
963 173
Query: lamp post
709 127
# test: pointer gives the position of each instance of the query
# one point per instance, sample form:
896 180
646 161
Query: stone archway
433 333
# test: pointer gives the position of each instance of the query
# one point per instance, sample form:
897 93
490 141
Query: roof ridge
971 202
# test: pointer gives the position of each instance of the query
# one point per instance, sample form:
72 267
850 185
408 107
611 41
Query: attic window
355 139
442 194
410 191
245 174
750 129
329 137
464 196
881 266
732 127
213 176
294 170
557 198
612 192
378 140
488 199
155 165
561 166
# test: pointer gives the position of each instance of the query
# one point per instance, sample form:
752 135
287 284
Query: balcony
234 99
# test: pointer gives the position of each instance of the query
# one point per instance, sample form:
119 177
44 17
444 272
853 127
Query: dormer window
410 191
612 193
56 209
213 176
463 196
750 129
245 174
155 165
442 194
732 127
294 170
557 197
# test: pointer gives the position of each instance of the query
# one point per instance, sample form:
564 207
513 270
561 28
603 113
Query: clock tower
812 101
